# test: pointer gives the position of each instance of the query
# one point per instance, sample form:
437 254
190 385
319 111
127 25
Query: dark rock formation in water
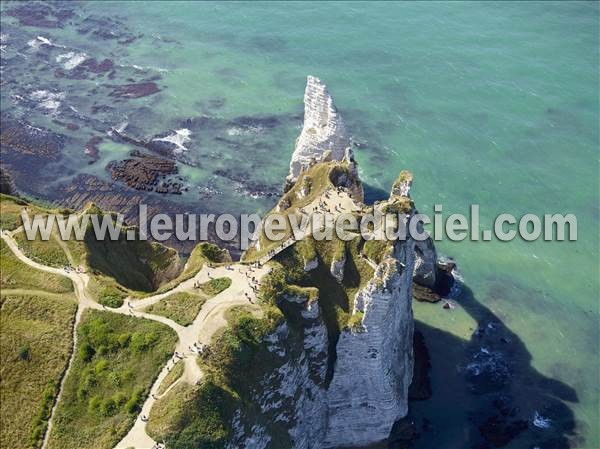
7 186
91 149
135 90
42 15
21 138
144 172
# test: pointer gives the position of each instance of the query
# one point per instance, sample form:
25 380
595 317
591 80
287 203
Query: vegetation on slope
175 373
376 250
35 343
200 416
135 264
118 357
129 265
336 298
183 307
14 274
322 176
45 252
202 253
10 212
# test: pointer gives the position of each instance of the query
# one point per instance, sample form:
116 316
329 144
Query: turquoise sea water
489 103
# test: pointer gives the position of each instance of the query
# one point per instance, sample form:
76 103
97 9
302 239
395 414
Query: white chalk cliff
350 392
374 366
323 129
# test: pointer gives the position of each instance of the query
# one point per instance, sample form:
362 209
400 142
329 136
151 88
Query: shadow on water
487 394
374 193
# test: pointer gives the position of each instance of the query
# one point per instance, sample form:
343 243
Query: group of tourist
68 268
197 347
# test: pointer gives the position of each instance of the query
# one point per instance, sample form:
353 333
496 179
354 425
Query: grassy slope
202 253
14 274
35 343
10 210
175 373
200 416
131 267
320 181
118 358
45 252
183 307
133 264
38 310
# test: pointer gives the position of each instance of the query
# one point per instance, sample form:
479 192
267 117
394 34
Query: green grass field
200 416
45 252
183 307
35 343
14 274
180 307
118 358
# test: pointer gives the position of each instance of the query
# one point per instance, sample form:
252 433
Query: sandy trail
209 320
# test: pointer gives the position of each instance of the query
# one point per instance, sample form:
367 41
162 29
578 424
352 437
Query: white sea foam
234 131
121 127
144 68
541 421
41 40
240 131
71 59
48 100
3 41
179 138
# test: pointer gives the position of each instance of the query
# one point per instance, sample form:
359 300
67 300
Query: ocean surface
489 103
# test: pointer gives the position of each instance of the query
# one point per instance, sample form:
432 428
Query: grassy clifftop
117 359
201 415
119 268
310 185
34 348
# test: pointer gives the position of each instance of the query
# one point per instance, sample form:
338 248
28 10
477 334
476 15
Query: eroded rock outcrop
369 389
341 384
432 278
290 393
323 131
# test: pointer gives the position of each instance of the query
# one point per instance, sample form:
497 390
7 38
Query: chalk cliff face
374 367
323 130
291 391
347 391
372 371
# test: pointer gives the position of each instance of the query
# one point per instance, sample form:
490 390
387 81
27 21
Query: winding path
209 320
